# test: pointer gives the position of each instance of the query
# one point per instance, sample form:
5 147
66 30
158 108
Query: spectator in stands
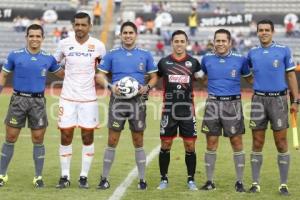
155 7
97 11
165 6
203 4
64 33
25 22
118 27
147 7
17 21
118 5
252 27
219 10
158 24
289 29
149 26
56 34
196 48
160 48
193 22
167 36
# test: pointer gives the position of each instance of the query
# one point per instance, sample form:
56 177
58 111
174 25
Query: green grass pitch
21 168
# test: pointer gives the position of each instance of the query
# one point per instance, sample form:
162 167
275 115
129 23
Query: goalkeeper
126 60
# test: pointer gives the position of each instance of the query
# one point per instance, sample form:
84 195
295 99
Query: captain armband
199 74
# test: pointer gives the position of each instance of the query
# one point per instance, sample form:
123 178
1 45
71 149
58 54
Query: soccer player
127 60
178 71
273 71
223 113
78 101
29 66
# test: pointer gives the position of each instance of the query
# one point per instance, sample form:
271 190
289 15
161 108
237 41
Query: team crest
43 72
33 59
275 63
233 73
178 87
164 121
129 54
188 64
141 66
91 48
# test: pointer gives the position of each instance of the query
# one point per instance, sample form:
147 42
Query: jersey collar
124 49
229 54
178 60
272 45
28 52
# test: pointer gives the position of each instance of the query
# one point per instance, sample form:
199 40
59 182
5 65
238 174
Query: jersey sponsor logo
13 121
169 63
128 54
178 87
70 48
33 59
116 124
265 51
91 48
276 63
188 64
179 79
205 128
222 60
79 54
252 124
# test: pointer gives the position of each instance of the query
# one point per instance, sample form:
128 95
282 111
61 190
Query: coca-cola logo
179 79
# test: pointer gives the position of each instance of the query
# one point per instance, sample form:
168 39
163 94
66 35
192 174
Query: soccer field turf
21 168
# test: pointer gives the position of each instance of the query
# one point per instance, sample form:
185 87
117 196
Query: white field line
121 189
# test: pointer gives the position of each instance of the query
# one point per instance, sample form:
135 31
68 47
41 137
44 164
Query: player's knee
87 139
11 138
66 139
166 144
112 142
282 146
37 139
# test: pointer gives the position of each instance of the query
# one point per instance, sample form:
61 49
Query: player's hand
115 90
294 108
144 89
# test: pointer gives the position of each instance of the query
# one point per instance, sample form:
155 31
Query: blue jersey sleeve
9 64
54 67
249 60
106 63
245 71
203 65
288 61
151 66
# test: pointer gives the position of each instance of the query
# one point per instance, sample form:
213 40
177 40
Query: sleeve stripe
150 72
6 70
290 69
102 70
247 75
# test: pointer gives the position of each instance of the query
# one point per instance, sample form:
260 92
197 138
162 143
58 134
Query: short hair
179 32
223 31
34 27
266 21
81 15
128 23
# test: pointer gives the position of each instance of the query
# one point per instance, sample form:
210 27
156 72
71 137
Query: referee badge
233 73
275 63
188 64
141 66
43 72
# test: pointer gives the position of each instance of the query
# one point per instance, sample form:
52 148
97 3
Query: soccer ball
128 87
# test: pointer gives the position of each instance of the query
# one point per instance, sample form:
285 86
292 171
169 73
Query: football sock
6 155
210 161
190 161
109 156
256 162
164 161
87 158
140 159
283 160
38 157
239 163
65 155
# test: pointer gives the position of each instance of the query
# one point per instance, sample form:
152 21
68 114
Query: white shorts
78 114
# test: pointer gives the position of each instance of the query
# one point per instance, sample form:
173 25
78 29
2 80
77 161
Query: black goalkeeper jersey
178 76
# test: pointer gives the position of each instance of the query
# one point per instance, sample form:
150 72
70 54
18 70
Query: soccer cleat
3 180
104 184
38 182
142 185
83 183
192 185
284 190
162 185
63 183
255 188
209 185
239 187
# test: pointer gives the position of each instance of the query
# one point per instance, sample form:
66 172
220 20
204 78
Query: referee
273 71
29 66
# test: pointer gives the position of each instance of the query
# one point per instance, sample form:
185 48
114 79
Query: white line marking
121 189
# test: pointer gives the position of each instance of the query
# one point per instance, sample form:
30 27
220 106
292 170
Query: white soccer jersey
80 66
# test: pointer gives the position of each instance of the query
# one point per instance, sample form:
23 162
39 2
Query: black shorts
33 108
133 109
223 115
169 127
